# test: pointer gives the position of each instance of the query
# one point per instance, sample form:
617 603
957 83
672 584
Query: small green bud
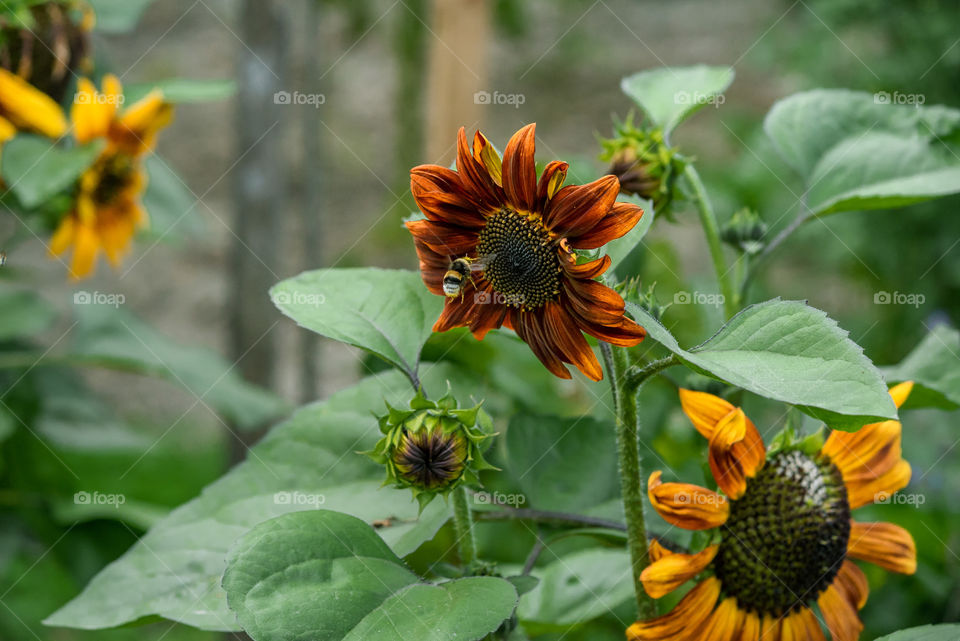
433 447
630 291
745 231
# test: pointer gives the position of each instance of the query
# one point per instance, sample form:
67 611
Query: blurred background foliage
88 420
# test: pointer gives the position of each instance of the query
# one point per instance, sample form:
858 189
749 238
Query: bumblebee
456 276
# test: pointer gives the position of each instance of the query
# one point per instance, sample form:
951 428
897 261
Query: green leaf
386 312
36 169
174 571
467 609
118 16
620 248
577 588
933 367
109 333
670 95
942 632
181 90
789 352
23 314
563 464
855 151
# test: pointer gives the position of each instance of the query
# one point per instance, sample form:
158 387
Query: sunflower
23 107
107 210
518 236
783 535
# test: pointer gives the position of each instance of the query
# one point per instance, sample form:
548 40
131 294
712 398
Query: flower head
643 163
783 537
107 210
433 447
518 234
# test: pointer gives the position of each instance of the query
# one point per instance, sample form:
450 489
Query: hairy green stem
631 478
463 526
708 220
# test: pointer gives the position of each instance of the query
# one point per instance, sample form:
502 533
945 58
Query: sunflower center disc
430 458
116 174
786 536
519 259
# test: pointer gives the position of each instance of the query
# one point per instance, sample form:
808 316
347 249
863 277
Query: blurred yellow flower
24 107
107 211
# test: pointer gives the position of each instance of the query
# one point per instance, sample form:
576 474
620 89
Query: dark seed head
430 459
520 260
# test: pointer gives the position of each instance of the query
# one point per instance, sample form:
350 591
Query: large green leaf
670 95
385 311
175 570
857 151
35 168
942 632
789 352
578 587
327 576
934 367
109 333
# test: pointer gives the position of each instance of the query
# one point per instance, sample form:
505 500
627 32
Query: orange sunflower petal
657 551
529 328
137 126
725 622
485 153
576 209
673 570
520 171
851 582
750 627
685 620
884 544
801 625
445 239
7 130
840 616
736 453
474 176
690 507
770 628
862 493
704 410
441 198
86 246
621 219
551 180
867 453
567 340
900 392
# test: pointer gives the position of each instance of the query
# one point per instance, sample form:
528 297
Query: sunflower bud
647 299
433 447
643 163
745 231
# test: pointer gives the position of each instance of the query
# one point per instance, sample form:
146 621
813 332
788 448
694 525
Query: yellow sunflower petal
867 453
725 622
704 410
137 127
27 107
7 130
901 392
672 571
862 493
63 236
684 621
91 112
884 544
750 627
485 153
690 507
656 551
770 628
85 250
840 616
851 582
737 453
806 626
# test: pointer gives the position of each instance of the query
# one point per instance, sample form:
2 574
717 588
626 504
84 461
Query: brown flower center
520 259
116 175
786 536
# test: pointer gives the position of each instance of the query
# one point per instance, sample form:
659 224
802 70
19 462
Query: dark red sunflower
518 236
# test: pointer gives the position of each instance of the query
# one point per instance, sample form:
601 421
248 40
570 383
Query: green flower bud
630 291
433 447
745 231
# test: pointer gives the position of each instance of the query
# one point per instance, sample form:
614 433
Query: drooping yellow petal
736 452
484 152
28 108
704 410
884 544
840 616
92 111
672 571
656 551
901 392
690 507
684 620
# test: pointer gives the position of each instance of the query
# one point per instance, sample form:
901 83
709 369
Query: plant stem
784 234
631 479
463 525
708 220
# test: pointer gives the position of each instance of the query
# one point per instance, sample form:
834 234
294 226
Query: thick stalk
631 479
463 526
708 220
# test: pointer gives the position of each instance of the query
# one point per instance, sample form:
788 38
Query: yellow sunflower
107 210
783 534
23 107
